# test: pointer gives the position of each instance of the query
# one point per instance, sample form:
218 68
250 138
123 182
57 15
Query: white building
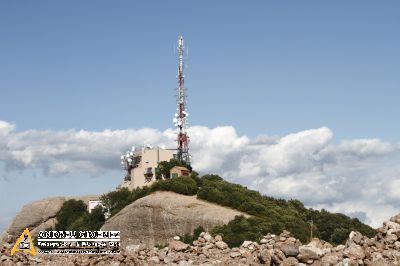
93 204
142 165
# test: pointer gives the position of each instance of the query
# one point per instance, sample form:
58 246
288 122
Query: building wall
179 171
150 159
93 204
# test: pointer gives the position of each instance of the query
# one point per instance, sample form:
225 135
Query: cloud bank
359 177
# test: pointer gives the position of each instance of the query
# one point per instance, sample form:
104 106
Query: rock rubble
283 249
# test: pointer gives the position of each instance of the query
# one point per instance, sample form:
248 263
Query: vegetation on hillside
268 214
74 215
275 215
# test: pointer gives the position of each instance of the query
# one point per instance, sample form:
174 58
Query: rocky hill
153 214
157 218
38 215
283 249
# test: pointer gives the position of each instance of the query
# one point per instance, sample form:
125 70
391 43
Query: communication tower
180 119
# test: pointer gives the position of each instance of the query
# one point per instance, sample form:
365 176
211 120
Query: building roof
181 168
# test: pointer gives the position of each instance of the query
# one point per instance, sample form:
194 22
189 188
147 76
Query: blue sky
263 67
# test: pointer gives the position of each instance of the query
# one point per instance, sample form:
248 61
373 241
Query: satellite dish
174 120
122 157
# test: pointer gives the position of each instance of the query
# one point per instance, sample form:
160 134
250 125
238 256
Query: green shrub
73 215
268 214
240 229
278 214
116 200
70 211
89 221
188 239
182 185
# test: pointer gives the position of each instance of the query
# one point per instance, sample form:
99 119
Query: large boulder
158 217
38 215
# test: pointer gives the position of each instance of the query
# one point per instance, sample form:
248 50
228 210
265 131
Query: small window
173 175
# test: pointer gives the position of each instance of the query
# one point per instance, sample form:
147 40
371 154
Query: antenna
180 120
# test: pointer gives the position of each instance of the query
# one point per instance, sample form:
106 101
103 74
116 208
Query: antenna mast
180 119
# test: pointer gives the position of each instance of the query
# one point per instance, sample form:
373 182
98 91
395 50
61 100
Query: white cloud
358 176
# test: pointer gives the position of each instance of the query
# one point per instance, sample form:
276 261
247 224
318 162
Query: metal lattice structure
180 119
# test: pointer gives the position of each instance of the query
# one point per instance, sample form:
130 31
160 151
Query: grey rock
221 245
290 250
178 245
154 259
307 252
247 244
208 237
38 215
290 262
354 252
329 260
355 237
160 216
131 249
235 254
265 257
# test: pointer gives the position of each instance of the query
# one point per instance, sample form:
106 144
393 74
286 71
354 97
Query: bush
90 221
188 239
116 200
240 229
74 216
269 214
181 185
277 214
70 211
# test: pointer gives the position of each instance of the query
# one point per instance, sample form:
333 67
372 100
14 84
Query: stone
131 249
308 252
184 263
218 238
160 216
177 245
290 250
38 215
290 262
263 241
396 219
265 257
235 254
329 260
154 259
170 258
391 238
392 225
177 238
355 237
208 237
339 248
379 262
246 244
354 252
221 245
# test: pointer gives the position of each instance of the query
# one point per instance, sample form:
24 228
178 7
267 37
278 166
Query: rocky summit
158 217
283 249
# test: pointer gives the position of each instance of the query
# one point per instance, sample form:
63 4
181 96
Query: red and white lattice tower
180 119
